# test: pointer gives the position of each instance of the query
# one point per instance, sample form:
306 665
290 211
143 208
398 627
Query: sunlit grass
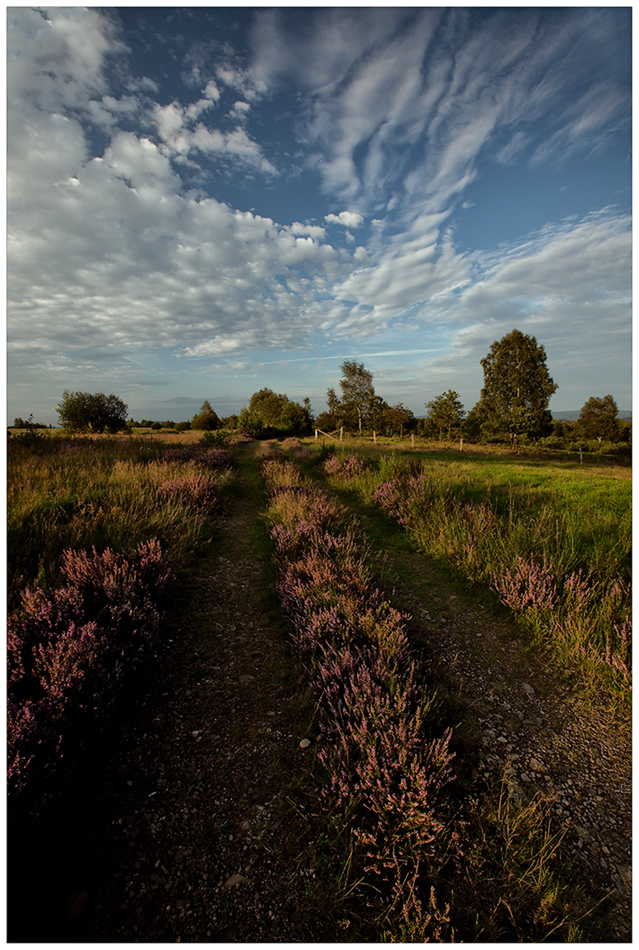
80 493
551 539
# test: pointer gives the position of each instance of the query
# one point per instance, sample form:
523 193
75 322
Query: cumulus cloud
349 219
109 253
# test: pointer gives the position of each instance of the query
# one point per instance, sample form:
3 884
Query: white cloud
349 219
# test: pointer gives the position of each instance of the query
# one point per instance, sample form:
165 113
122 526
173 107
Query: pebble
304 744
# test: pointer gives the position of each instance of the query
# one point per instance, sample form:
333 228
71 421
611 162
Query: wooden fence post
412 440
374 437
341 434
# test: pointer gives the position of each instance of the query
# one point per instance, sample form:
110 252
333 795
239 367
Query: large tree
268 406
446 411
598 419
358 393
517 388
91 412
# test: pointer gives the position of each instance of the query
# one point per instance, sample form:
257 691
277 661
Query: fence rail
332 435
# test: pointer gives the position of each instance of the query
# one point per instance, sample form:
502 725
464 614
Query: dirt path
526 720
196 849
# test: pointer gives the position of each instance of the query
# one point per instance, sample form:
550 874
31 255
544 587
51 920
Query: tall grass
113 493
551 541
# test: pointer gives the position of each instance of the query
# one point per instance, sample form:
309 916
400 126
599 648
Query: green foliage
598 419
206 419
91 412
268 406
270 415
446 412
220 438
535 533
517 388
358 394
19 423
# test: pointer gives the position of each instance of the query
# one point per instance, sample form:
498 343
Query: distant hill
575 413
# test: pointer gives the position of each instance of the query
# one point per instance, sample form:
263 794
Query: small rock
304 744
195 733
246 678
524 777
528 689
235 880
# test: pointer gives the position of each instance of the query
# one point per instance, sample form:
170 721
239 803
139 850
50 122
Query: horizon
206 201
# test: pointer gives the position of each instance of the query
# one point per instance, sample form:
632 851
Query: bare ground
200 829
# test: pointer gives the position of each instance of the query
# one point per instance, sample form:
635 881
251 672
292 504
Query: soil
201 827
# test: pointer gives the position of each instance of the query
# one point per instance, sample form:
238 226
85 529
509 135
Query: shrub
70 652
193 491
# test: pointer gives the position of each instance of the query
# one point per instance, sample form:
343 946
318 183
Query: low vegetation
96 531
99 528
553 543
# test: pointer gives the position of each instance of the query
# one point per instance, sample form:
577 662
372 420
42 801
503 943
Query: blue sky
205 201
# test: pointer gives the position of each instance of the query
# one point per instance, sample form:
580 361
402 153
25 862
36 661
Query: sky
206 201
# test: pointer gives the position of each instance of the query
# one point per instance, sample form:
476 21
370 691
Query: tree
598 419
357 392
206 419
396 417
268 406
517 388
91 412
446 411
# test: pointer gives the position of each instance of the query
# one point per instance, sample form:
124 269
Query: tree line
513 407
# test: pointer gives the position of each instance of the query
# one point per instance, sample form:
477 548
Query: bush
70 652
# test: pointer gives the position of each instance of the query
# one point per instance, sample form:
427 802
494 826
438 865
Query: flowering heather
69 653
195 491
530 586
344 468
386 771
216 459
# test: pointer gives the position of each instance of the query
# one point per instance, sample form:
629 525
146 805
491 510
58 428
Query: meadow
550 538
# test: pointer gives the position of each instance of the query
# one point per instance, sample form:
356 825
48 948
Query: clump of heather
344 468
216 459
529 586
195 491
69 653
387 767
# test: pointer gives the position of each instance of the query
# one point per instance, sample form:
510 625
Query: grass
551 539
105 492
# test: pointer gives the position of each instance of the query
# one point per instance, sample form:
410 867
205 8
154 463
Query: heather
71 652
97 529
387 762
108 492
552 544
